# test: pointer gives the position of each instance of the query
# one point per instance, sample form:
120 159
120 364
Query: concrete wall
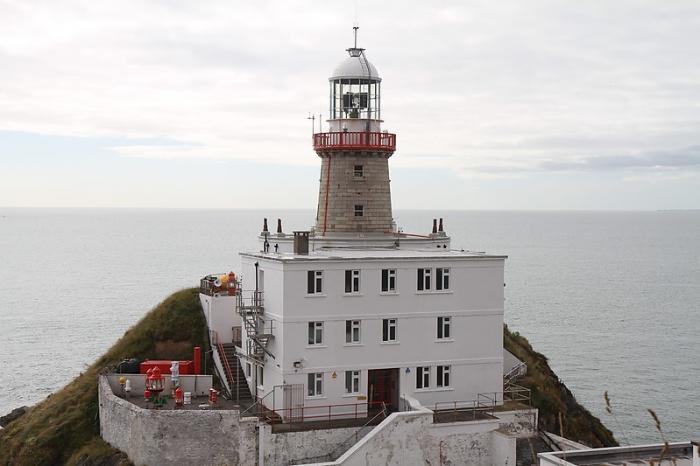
521 423
411 438
314 445
161 437
220 312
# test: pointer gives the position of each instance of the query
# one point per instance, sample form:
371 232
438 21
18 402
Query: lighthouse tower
354 193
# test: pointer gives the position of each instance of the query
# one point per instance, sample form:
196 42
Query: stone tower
354 194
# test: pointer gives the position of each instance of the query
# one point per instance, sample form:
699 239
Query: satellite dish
217 282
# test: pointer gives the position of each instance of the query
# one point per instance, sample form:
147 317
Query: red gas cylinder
179 397
212 395
147 395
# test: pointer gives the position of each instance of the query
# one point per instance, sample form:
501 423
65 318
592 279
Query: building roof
355 67
332 254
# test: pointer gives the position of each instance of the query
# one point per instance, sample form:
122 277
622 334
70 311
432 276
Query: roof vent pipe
434 226
301 242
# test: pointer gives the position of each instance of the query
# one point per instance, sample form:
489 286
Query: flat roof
370 253
679 453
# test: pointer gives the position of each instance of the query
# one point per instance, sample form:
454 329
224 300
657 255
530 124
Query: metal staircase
249 306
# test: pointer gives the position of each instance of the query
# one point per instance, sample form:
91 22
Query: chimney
301 242
279 226
265 230
440 227
434 226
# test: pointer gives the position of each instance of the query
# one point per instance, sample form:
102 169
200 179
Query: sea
611 298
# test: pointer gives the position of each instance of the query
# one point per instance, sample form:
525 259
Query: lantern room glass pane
355 98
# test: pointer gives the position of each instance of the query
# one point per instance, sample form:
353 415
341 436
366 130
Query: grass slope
553 399
64 428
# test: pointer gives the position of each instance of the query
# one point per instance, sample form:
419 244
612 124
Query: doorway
383 386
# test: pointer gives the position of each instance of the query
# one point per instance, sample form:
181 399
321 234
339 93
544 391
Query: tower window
359 210
359 171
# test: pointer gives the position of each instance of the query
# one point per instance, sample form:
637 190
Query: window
315 384
443 327
424 279
423 377
443 376
442 278
388 280
315 333
261 380
352 381
352 281
352 331
314 282
247 369
359 210
359 171
389 329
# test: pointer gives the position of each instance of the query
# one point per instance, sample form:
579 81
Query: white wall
474 303
221 315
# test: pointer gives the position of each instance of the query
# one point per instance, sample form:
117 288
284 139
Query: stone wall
345 190
163 437
305 447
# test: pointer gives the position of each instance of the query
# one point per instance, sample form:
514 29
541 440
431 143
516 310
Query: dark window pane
420 279
310 282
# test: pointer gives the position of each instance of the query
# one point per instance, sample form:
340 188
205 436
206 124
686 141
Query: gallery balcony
354 141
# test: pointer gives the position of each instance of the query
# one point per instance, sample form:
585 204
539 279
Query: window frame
442 278
359 210
314 282
358 173
353 328
443 376
388 325
444 328
424 276
388 281
314 385
315 329
352 382
422 377
352 281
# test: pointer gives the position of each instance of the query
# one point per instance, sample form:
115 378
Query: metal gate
293 395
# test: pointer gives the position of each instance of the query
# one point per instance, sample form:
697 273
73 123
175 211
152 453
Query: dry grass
559 412
64 428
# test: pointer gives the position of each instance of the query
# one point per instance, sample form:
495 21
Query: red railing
224 360
355 141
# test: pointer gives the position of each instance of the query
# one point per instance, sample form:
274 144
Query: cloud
495 89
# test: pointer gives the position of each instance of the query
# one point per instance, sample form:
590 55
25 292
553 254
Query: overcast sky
496 105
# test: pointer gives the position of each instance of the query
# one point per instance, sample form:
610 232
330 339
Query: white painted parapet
166 437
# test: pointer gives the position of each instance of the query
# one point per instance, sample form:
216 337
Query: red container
186 367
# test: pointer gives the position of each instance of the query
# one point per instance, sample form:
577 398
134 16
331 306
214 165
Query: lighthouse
354 193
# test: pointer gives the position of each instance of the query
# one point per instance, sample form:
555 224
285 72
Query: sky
496 105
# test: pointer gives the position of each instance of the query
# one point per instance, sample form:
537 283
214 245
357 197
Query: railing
518 370
249 299
325 412
208 286
352 439
355 141
485 403
224 360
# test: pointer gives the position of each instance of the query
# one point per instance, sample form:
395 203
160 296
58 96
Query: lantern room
355 88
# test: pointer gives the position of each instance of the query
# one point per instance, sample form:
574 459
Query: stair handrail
223 358
257 402
354 434
516 371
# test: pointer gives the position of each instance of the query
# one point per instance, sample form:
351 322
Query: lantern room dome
355 66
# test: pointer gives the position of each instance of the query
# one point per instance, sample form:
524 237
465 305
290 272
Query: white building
355 313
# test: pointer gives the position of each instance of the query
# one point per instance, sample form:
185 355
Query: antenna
354 29
313 122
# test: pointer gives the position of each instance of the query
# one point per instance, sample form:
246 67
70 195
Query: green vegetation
64 428
554 400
